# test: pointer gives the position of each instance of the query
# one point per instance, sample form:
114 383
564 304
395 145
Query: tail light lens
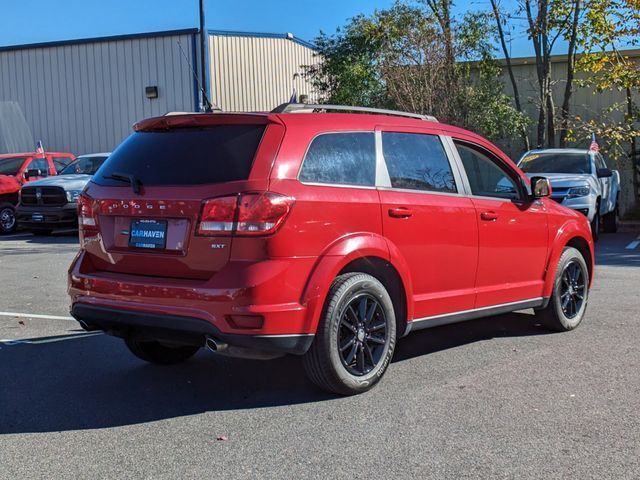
87 218
244 214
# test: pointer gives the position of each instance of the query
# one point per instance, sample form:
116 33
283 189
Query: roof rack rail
302 107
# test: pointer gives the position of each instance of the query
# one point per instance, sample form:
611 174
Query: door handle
400 212
489 216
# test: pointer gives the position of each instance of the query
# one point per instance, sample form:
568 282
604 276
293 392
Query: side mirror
540 187
33 172
604 173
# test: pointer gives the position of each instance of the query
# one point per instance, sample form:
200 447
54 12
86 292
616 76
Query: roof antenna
209 107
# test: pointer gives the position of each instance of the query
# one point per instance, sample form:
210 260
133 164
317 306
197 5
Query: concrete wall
83 96
256 72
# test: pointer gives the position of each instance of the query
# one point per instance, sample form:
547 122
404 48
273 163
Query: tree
608 25
421 59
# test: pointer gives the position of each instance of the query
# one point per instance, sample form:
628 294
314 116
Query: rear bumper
188 330
124 304
52 217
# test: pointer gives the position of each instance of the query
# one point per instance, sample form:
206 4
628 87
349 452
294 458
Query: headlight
578 192
72 195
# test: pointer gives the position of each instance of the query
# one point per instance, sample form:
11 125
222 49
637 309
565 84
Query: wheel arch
570 235
368 253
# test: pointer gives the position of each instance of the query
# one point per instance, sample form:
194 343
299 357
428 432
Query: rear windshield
217 154
556 163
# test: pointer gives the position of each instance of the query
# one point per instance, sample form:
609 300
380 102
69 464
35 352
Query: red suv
325 235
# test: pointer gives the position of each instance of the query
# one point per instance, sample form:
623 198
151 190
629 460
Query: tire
610 221
42 232
559 314
595 224
367 341
160 354
8 221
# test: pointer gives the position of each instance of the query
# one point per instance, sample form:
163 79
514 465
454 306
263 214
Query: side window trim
338 185
508 171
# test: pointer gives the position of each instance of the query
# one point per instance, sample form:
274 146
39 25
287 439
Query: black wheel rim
7 219
362 334
573 289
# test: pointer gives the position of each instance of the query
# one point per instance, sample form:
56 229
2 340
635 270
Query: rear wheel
356 336
8 223
159 353
610 221
568 301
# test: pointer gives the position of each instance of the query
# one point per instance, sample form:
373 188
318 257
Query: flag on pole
40 147
594 147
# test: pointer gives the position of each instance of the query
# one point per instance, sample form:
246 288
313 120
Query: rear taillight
244 214
87 219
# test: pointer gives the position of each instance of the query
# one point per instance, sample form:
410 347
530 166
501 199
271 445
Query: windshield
10 166
556 163
185 156
83 166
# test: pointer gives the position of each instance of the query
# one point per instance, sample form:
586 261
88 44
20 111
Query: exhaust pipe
214 345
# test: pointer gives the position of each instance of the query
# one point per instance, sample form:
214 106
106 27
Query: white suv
580 180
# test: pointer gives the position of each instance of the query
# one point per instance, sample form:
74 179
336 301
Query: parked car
580 180
50 203
17 169
325 235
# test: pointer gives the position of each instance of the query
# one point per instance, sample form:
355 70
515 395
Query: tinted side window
341 158
417 162
10 166
487 178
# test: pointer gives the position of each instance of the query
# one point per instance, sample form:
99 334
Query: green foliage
417 58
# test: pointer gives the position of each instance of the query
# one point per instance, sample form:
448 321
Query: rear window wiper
125 177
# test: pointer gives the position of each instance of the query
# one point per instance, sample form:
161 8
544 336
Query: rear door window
347 158
417 162
218 154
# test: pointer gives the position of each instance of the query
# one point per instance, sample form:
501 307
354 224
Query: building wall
256 73
84 96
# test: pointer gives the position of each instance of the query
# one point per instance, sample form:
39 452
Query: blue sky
33 21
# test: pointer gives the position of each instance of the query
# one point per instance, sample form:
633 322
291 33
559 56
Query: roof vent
290 35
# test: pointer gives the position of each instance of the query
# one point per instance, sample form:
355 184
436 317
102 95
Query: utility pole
203 65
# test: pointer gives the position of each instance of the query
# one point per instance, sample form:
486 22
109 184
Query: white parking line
34 315
633 245
10 343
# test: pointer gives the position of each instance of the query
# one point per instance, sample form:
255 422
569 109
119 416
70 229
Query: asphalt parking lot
499 397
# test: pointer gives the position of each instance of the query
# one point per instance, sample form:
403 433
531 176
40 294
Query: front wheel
159 353
595 224
356 336
610 221
570 294
8 223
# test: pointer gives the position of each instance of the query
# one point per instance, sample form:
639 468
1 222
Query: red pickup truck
17 169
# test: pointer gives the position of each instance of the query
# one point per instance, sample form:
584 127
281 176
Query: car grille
54 196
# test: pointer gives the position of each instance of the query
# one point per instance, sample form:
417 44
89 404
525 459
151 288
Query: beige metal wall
252 73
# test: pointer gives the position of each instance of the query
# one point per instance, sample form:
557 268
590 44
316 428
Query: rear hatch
141 212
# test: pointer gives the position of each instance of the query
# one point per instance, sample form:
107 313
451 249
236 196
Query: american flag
39 147
594 147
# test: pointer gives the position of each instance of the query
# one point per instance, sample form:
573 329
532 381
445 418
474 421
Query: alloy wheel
362 334
7 219
572 289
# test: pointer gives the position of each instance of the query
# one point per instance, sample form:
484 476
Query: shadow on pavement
94 382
